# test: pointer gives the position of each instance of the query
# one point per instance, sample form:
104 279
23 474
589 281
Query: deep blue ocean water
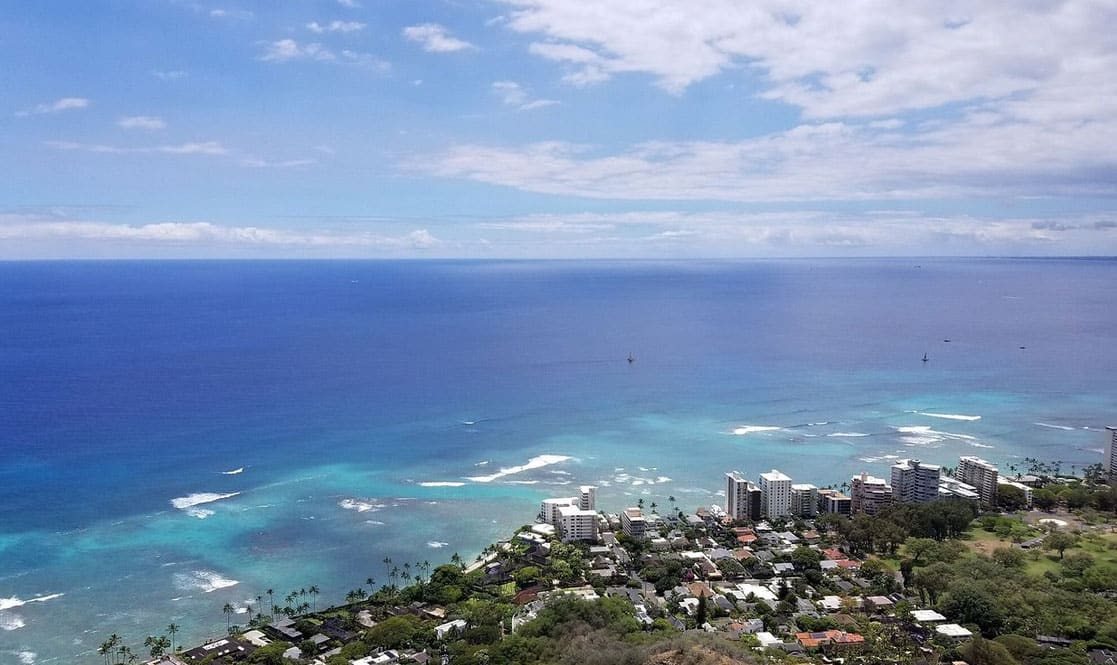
337 389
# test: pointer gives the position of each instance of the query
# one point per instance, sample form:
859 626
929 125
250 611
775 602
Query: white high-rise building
577 524
804 500
743 499
869 494
633 523
915 482
588 498
776 488
981 474
549 509
1109 464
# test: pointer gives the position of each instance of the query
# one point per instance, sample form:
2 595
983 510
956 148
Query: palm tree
640 503
653 506
314 591
387 561
104 650
110 645
172 629
157 645
456 559
271 599
228 610
371 582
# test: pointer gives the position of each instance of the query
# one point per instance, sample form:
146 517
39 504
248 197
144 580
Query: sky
556 128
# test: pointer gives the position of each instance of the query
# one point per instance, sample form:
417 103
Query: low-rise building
833 501
952 488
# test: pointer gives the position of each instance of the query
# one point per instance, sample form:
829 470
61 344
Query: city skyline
543 128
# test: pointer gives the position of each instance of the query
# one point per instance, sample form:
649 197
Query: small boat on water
631 359
925 357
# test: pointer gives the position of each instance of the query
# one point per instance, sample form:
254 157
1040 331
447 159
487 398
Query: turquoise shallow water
341 388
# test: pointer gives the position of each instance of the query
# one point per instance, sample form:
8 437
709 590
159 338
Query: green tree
979 651
172 628
1044 499
970 604
1011 498
271 654
1009 557
394 632
1060 541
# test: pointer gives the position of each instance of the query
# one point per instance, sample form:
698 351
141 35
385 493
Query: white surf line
536 462
948 416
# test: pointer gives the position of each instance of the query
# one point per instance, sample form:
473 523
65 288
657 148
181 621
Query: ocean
175 436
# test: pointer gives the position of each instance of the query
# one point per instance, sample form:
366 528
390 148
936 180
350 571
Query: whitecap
744 430
948 416
9 603
560 472
848 435
11 621
189 504
536 462
374 522
206 581
27 657
663 479
435 544
482 463
360 505
923 435
1062 427
440 483
523 482
975 444
234 472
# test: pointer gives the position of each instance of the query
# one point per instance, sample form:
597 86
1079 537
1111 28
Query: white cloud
351 4
289 50
286 50
242 14
205 233
823 161
436 38
57 106
145 122
335 26
199 148
798 232
869 58
513 94
255 162
169 75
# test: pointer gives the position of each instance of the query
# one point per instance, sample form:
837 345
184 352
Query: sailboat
924 357
631 359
